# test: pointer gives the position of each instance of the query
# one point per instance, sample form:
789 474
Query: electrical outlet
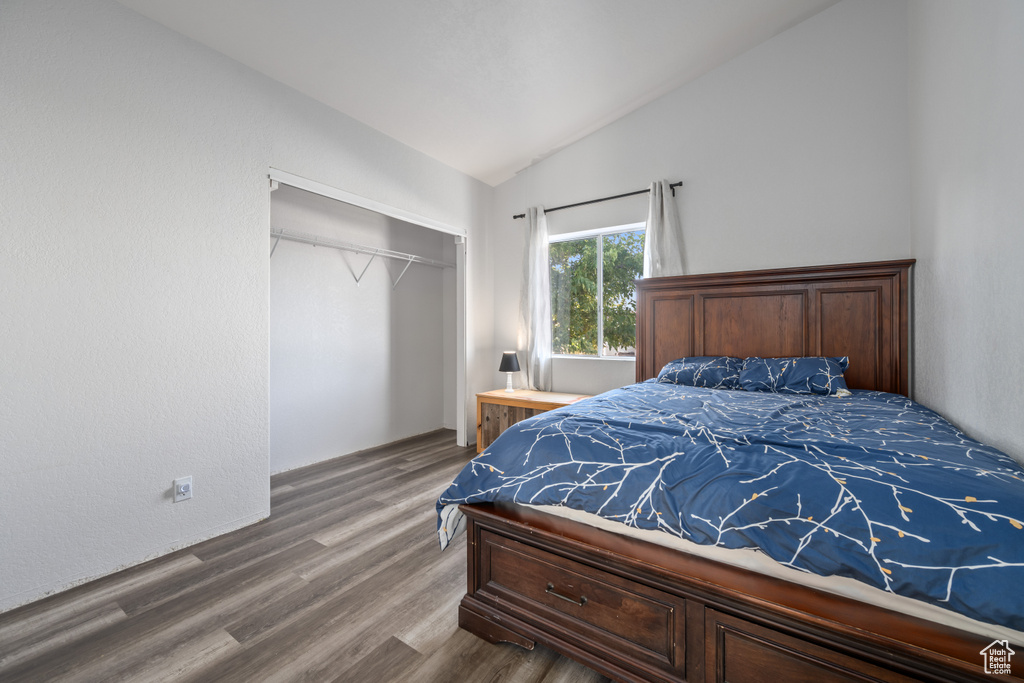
182 489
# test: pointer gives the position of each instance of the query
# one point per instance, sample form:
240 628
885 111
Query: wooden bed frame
637 611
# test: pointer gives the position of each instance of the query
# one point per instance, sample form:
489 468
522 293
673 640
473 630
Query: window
593 293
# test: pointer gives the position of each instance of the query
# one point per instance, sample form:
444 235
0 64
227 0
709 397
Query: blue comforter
872 486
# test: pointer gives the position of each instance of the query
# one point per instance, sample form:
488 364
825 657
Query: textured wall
134 278
794 153
967 105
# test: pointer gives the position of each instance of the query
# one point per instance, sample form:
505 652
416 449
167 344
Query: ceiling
485 86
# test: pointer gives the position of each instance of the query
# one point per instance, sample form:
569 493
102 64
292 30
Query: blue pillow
823 376
710 372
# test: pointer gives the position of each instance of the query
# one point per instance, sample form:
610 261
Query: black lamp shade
509 362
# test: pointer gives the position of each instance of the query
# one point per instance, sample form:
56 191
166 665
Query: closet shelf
318 241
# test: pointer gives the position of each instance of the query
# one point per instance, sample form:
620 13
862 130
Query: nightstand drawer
608 612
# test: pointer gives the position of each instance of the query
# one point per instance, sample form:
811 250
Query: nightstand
498 410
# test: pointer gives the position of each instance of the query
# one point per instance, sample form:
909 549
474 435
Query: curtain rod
672 186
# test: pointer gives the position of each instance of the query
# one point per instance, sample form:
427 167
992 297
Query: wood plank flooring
344 582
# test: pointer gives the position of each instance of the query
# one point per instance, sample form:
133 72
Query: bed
620 598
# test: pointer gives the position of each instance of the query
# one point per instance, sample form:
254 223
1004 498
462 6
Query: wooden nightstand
498 410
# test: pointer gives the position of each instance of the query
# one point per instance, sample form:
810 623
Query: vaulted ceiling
485 86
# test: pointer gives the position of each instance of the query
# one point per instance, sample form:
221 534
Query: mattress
756 561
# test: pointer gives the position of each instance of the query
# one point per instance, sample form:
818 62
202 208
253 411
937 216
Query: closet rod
318 241
673 187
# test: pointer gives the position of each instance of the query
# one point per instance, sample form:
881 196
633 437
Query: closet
362 328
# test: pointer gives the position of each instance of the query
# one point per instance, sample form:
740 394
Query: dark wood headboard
858 310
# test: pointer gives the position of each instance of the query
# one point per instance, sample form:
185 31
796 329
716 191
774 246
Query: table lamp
509 364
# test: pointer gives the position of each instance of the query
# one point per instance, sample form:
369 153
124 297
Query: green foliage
574 296
574 288
623 264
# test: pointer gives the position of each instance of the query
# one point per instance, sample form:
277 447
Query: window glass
593 293
623 264
574 297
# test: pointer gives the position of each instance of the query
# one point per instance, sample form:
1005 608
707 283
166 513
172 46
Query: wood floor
344 582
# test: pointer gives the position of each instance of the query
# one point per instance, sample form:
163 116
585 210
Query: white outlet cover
182 489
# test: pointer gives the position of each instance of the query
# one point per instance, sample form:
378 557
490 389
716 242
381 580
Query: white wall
353 365
967 106
794 153
133 331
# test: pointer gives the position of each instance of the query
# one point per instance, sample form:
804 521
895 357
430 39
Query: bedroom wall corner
967 151
791 154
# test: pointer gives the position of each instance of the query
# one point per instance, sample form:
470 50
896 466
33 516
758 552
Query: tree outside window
593 293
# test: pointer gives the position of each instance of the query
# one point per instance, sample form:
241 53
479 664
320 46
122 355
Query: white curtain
663 243
535 304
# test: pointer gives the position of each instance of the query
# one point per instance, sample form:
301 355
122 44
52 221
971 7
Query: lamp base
508 385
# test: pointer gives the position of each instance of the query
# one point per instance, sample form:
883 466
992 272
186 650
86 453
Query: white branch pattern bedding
871 486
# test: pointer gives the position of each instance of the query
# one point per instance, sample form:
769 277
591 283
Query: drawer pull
551 590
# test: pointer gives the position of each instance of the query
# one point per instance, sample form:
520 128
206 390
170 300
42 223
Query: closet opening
366 325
